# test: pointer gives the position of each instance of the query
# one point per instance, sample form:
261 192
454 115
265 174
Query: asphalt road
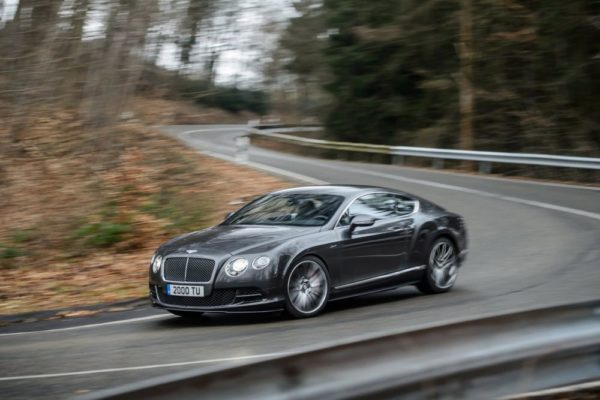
531 245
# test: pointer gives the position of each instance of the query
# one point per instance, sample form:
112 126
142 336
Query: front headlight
261 262
236 267
156 264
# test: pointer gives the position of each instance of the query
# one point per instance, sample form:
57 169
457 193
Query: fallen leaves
60 183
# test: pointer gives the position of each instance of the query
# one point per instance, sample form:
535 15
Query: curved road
531 245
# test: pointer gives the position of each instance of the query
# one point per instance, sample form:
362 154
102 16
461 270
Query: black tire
319 288
186 314
430 284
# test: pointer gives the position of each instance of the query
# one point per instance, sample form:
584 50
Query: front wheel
442 268
306 288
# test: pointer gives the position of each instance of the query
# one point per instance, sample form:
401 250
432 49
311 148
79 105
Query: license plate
185 290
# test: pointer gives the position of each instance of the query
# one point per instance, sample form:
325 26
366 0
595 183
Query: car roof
341 190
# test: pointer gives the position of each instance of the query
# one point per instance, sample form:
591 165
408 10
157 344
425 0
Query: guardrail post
438 163
485 167
242 144
398 160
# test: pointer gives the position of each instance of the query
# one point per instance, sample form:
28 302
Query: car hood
222 240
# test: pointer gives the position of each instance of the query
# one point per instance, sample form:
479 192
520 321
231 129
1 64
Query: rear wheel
306 288
442 267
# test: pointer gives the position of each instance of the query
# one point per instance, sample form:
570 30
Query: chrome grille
175 269
188 269
199 269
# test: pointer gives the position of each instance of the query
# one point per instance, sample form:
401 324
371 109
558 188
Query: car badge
191 251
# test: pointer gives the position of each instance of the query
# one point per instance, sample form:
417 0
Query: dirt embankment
82 209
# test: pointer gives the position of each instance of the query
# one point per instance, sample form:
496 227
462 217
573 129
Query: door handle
395 228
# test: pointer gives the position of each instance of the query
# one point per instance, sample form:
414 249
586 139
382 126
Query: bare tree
465 81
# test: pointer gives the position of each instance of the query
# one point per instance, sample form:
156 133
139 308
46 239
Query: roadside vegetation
515 76
81 218
88 186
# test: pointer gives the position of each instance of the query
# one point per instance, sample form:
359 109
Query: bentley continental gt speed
297 249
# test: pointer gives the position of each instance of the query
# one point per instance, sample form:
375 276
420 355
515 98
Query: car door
380 249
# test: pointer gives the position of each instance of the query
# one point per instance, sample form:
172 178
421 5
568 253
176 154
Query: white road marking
71 328
524 181
462 189
242 129
140 367
267 168
533 203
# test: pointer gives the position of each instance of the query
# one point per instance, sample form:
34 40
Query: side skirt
355 287
371 291
380 277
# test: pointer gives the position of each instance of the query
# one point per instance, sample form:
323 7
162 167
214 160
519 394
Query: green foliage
14 249
538 74
102 234
300 53
235 100
228 98
7 252
382 66
108 230
393 68
23 236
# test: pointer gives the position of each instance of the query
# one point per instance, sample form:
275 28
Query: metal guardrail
484 158
484 358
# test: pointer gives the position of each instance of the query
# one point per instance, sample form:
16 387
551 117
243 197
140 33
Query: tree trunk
466 92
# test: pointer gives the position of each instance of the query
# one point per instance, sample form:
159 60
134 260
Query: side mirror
229 214
361 220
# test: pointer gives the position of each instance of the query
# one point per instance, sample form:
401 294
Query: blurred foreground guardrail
484 358
484 158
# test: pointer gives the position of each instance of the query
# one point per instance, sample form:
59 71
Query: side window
404 205
379 206
345 219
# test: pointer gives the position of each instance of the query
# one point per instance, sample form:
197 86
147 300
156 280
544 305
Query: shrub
102 234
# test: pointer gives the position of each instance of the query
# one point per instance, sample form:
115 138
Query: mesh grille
219 297
199 269
249 292
175 268
248 295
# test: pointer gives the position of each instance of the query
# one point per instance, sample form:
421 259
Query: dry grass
82 210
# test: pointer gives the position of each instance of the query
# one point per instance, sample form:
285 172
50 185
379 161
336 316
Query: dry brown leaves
65 173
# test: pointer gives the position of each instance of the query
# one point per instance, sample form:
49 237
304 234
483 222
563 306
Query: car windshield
299 209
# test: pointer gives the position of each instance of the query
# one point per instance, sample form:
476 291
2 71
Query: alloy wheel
307 287
443 264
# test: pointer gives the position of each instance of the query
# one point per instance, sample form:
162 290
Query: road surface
531 245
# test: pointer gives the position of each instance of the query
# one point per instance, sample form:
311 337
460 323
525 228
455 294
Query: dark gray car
297 249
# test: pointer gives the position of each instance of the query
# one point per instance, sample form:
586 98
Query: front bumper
228 300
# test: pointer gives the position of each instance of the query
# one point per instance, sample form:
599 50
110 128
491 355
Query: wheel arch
447 235
300 256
